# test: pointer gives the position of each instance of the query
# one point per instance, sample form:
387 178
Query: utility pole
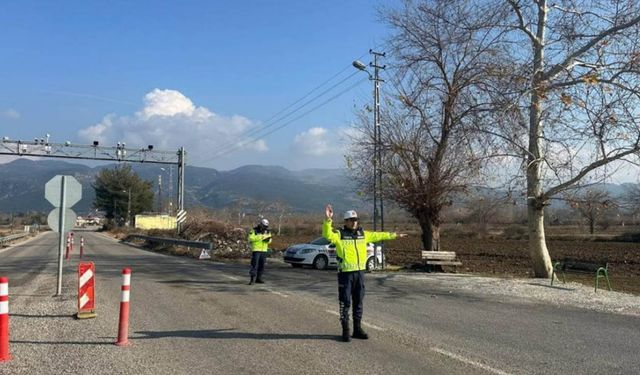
378 137
170 189
377 143
159 193
129 209
182 156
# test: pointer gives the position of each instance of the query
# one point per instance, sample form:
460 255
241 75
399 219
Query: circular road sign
54 219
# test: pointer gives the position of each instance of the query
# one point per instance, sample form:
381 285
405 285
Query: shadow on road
110 343
42 316
552 286
228 333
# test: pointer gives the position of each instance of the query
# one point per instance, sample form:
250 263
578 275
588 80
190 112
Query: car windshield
319 241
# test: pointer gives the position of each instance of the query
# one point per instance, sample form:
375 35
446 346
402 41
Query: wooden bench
569 265
440 258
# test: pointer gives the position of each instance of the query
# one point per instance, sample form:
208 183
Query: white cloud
11 114
314 142
166 103
169 120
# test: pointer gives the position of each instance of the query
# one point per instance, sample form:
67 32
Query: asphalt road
190 316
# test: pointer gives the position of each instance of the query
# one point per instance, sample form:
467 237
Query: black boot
346 337
358 333
259 280
251 281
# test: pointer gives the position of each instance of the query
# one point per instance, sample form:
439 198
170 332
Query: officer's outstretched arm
381 236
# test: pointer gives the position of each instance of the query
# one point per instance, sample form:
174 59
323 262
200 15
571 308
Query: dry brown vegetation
495 250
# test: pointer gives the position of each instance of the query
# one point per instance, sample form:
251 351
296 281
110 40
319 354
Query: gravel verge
537 291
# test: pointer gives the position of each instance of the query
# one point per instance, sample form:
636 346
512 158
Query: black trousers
350 286
258 258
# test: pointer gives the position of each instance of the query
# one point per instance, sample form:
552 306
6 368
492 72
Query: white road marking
469 361
107 237
276 292
372 326
231 277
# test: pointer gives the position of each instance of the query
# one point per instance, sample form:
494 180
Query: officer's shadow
230 333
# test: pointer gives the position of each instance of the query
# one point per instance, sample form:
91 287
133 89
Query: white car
320 254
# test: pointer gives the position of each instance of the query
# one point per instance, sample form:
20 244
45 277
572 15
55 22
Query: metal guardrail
173 241
12 237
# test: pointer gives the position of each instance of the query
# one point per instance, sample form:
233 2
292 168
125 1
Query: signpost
62 192
181 217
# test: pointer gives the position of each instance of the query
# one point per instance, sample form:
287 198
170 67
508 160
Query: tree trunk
535 198
430 233
537 243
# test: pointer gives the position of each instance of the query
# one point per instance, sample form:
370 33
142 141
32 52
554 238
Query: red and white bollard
4 319
68 246
81 246
123 327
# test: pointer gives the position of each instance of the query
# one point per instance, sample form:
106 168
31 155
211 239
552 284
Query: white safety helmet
264 222
351 214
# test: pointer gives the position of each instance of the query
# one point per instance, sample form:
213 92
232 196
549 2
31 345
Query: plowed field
510 258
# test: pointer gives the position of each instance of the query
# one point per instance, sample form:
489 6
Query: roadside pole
61 235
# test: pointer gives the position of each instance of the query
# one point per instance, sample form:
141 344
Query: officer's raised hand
328 212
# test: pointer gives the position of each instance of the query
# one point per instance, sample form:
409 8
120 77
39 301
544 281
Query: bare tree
486 208
431 144
593 205
571 95
631 198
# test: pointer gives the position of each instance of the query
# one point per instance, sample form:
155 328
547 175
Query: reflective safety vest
351 246
257 240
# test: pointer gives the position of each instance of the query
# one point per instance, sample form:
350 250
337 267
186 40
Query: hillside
22 185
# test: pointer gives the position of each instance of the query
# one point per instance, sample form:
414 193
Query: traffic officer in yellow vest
259 239
351 250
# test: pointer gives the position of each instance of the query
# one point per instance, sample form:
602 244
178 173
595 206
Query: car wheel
296 265
320 262
370 264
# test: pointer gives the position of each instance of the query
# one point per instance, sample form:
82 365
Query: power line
269 123
255 132
236 147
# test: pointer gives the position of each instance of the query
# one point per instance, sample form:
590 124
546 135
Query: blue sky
201 74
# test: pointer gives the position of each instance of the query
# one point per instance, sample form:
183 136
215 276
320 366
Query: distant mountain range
22 184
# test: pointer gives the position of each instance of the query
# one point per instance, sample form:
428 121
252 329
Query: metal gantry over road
119 153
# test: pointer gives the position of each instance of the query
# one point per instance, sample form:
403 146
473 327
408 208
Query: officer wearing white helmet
259 239
351 250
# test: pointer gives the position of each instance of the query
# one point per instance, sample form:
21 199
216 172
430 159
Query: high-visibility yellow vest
257 240
351 246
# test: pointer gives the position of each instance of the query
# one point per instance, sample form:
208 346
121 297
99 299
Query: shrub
515 232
